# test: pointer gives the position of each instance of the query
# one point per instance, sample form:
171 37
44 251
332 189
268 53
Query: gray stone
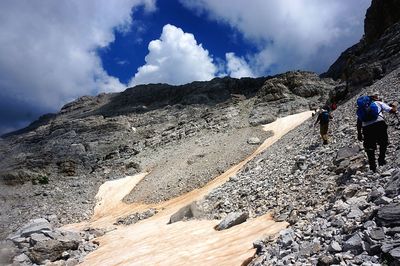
232 219
21 258
383 200
395 253
350 191
185 213
341 206
389 245
375 194
335 247
35 237
254 141
325 260
51 249
392 188
389 215
355 245
392 231
72 262
33 226
346 153
19 240
286 237
355 213
377 234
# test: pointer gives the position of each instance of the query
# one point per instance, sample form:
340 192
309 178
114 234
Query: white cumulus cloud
175 58
290 34
48 52
237 67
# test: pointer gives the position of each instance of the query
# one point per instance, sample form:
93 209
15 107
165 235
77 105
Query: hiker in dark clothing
374 131
323 118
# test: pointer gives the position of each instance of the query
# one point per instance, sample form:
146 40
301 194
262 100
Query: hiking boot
325 142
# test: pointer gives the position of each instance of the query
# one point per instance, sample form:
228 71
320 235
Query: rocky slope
68 155
340 213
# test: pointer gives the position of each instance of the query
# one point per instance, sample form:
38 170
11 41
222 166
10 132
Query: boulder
33 226
346 153
253 141
51 249
392 188
389 215
354 244
232 219
185 213
335 247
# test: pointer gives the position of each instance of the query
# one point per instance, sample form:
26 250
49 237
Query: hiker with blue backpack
323 118
372 128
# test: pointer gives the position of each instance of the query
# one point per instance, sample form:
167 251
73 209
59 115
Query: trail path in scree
196 242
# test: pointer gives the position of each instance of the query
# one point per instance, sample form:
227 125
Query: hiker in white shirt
374 132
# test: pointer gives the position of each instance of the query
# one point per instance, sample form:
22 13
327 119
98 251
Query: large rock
232 219
389 215
354 244
346 153
34 226
392 188
52 249
185 213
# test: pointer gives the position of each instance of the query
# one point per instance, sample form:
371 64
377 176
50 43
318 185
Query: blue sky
52 52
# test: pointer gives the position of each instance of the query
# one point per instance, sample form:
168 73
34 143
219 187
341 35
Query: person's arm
318 118
359 130
389 108
394 107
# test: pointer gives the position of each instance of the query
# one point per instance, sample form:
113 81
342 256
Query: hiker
323 118
372 128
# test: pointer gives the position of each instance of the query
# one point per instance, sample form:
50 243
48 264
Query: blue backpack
367 109
324 117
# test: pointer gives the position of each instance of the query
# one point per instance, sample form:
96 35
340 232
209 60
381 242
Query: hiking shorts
375 134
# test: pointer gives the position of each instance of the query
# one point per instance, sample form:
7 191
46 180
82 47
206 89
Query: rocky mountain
113 135
377 53
339 212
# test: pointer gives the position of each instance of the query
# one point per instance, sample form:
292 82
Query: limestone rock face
380 16
377 53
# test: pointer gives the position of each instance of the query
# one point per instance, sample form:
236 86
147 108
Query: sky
52 52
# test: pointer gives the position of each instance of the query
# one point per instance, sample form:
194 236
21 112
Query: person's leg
382 142
324 133
371 159
370 145
382 154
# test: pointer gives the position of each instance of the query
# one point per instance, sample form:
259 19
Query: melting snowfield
155 242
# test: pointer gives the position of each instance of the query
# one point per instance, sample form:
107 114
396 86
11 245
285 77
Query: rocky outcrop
380 16
39 243
377 53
